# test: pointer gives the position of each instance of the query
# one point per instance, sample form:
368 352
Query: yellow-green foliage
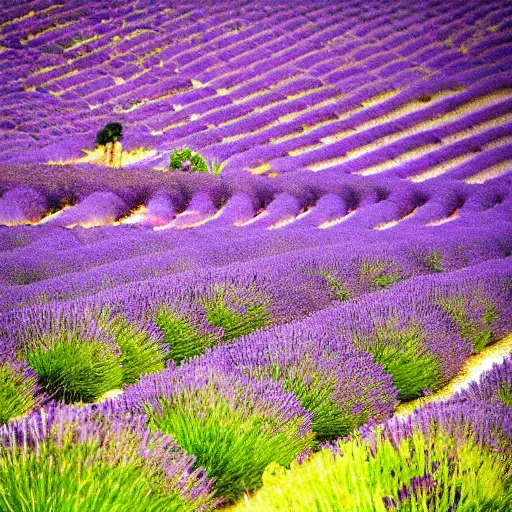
366 478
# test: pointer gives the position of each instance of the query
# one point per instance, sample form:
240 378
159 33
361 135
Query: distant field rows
338 87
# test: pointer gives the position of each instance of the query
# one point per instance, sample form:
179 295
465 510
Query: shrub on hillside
187 160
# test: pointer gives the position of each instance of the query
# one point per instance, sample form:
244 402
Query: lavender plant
74 367
494 386
233 425
188 160
235 312
184 332
72 460
18 390
339 385
222 313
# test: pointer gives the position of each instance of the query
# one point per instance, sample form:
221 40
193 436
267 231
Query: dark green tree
111 133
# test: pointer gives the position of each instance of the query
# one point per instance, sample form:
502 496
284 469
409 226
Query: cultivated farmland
256 256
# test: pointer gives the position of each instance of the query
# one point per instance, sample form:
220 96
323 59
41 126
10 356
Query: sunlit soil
96 156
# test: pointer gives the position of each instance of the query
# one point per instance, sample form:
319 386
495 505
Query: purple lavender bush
70 459
234 425
339 385
79 357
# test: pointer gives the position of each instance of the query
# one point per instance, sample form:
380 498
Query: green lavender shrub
140 353
433 261
234 427
421 474
194 324
237 315
76 466
187 160
401 351
378 274
74 368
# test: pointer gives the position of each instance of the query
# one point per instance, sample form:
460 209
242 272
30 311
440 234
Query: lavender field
243 329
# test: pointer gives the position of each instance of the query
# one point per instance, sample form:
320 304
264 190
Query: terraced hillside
418 90
191 341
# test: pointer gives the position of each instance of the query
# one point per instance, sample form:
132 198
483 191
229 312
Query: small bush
337 288
112 132
187 160
378 274
236 315
73 368
339 385
433 261
140 353
234 426
219 315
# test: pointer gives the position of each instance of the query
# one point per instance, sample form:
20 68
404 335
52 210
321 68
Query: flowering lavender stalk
494 386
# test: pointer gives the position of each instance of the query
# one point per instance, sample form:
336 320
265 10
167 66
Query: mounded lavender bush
339 385
70 459
399 345
141 351
235 426
494 386
75 367
80 356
